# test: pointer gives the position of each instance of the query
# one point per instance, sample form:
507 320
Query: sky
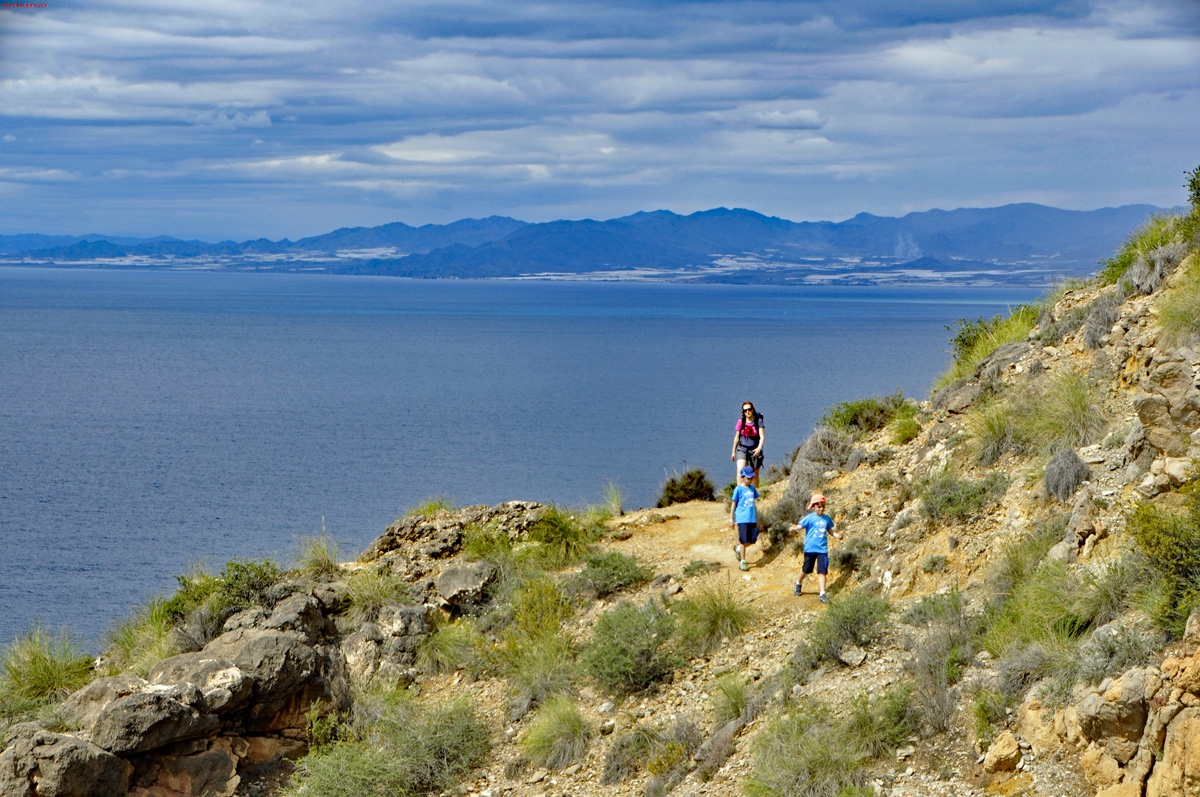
236 119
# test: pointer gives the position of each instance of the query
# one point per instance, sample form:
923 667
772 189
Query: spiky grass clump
1066 412
614 499
972 341
559 735
700 567
1064 473
606 573
406 749
318 557
1179 310
711 615
562 537
992 428
40 668
728 698
533 655
370 590
137 644
451 647
630 648
432 506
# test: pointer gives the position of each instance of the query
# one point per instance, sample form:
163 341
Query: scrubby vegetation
317 557
39 668
712 613
855 618
972 341
1170 541
563 537
558 736
693 485
1163 238
607 572
951 497
371 589
1179 310
431 506
400 748
862 416
630 647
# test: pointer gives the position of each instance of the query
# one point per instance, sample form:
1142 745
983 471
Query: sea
155 421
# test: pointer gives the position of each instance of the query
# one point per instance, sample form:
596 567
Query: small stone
538 777
852 656
606 707
607 727
573 769
905 752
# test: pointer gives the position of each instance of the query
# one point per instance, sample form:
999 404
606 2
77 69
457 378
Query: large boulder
1116 719
300 614
1177 773
462 585
224 686
150 719
38 763
439 535
208 770
278 662
82 707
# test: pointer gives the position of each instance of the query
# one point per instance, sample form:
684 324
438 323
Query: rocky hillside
1011 612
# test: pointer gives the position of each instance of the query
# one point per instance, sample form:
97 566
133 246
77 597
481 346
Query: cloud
431 111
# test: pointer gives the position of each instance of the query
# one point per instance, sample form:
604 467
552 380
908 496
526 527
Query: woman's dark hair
752 407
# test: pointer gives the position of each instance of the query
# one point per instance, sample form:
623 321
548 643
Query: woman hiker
748 438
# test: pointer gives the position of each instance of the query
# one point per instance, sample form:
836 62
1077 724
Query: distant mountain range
1023 243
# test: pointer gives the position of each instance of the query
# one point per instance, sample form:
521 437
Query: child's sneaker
796 589
823 598
744 566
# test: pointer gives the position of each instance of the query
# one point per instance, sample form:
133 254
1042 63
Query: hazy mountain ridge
1020 242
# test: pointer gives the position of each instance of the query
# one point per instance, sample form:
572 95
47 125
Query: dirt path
670 538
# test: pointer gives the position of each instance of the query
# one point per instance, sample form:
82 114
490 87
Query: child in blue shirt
817 527
744 515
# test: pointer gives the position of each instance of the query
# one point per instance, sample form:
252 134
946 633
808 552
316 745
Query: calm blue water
153 421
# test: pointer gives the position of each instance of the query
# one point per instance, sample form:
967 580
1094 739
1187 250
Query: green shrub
558 736
1179 310
1170 542
945 496
539 609
727 698
40 668
1193 187
371 589
663 750
693 485
137 644
607 572
853 556
1157 232
561 536
972 341
242 583
318 557
938 608
431 506
630 648
807 753
513 566
1020 557
711 615
856 618
862 416
407 750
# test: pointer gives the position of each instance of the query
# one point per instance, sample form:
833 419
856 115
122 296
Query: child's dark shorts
747 533
821 560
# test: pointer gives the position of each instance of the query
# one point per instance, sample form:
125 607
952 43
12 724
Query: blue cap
747 472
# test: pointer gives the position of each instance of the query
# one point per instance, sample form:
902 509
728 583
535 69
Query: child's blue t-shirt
816 532
744 510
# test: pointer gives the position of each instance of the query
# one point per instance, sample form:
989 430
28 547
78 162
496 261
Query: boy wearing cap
744 515
817 527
